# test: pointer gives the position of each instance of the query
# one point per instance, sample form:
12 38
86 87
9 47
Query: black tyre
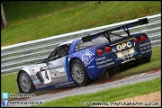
148 59
25 83
79 73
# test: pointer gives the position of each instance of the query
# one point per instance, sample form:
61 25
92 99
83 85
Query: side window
59 52
62 52
53 55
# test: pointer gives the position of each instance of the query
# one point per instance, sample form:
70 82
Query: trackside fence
14 57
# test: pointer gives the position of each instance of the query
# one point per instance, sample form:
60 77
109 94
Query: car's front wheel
25 84
78 73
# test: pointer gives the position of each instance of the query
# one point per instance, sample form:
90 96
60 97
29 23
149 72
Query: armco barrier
14 57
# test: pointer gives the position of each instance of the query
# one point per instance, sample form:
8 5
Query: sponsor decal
144 44
124 45
46 77
106 65
91 67
87 57
100 58
145 47
148 50
57 72
36 81
126 55
103 62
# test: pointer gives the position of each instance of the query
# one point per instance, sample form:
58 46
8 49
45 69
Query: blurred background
23 21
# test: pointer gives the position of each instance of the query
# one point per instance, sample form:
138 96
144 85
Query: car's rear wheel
25 83
79 73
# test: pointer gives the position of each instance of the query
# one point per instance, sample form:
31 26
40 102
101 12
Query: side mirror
45 60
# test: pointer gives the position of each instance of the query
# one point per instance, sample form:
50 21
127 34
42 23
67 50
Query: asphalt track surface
92 88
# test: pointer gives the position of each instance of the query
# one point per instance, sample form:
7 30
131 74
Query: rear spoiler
124 27
133 24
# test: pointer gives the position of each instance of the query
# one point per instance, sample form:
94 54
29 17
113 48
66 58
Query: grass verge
74 17
8 81
109 95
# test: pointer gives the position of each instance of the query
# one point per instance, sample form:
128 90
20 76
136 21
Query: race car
83 59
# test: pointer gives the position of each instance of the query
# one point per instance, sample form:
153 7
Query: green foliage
18 10
31 20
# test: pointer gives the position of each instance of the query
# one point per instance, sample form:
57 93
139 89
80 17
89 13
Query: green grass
8 82
73 17
109 95
19 10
